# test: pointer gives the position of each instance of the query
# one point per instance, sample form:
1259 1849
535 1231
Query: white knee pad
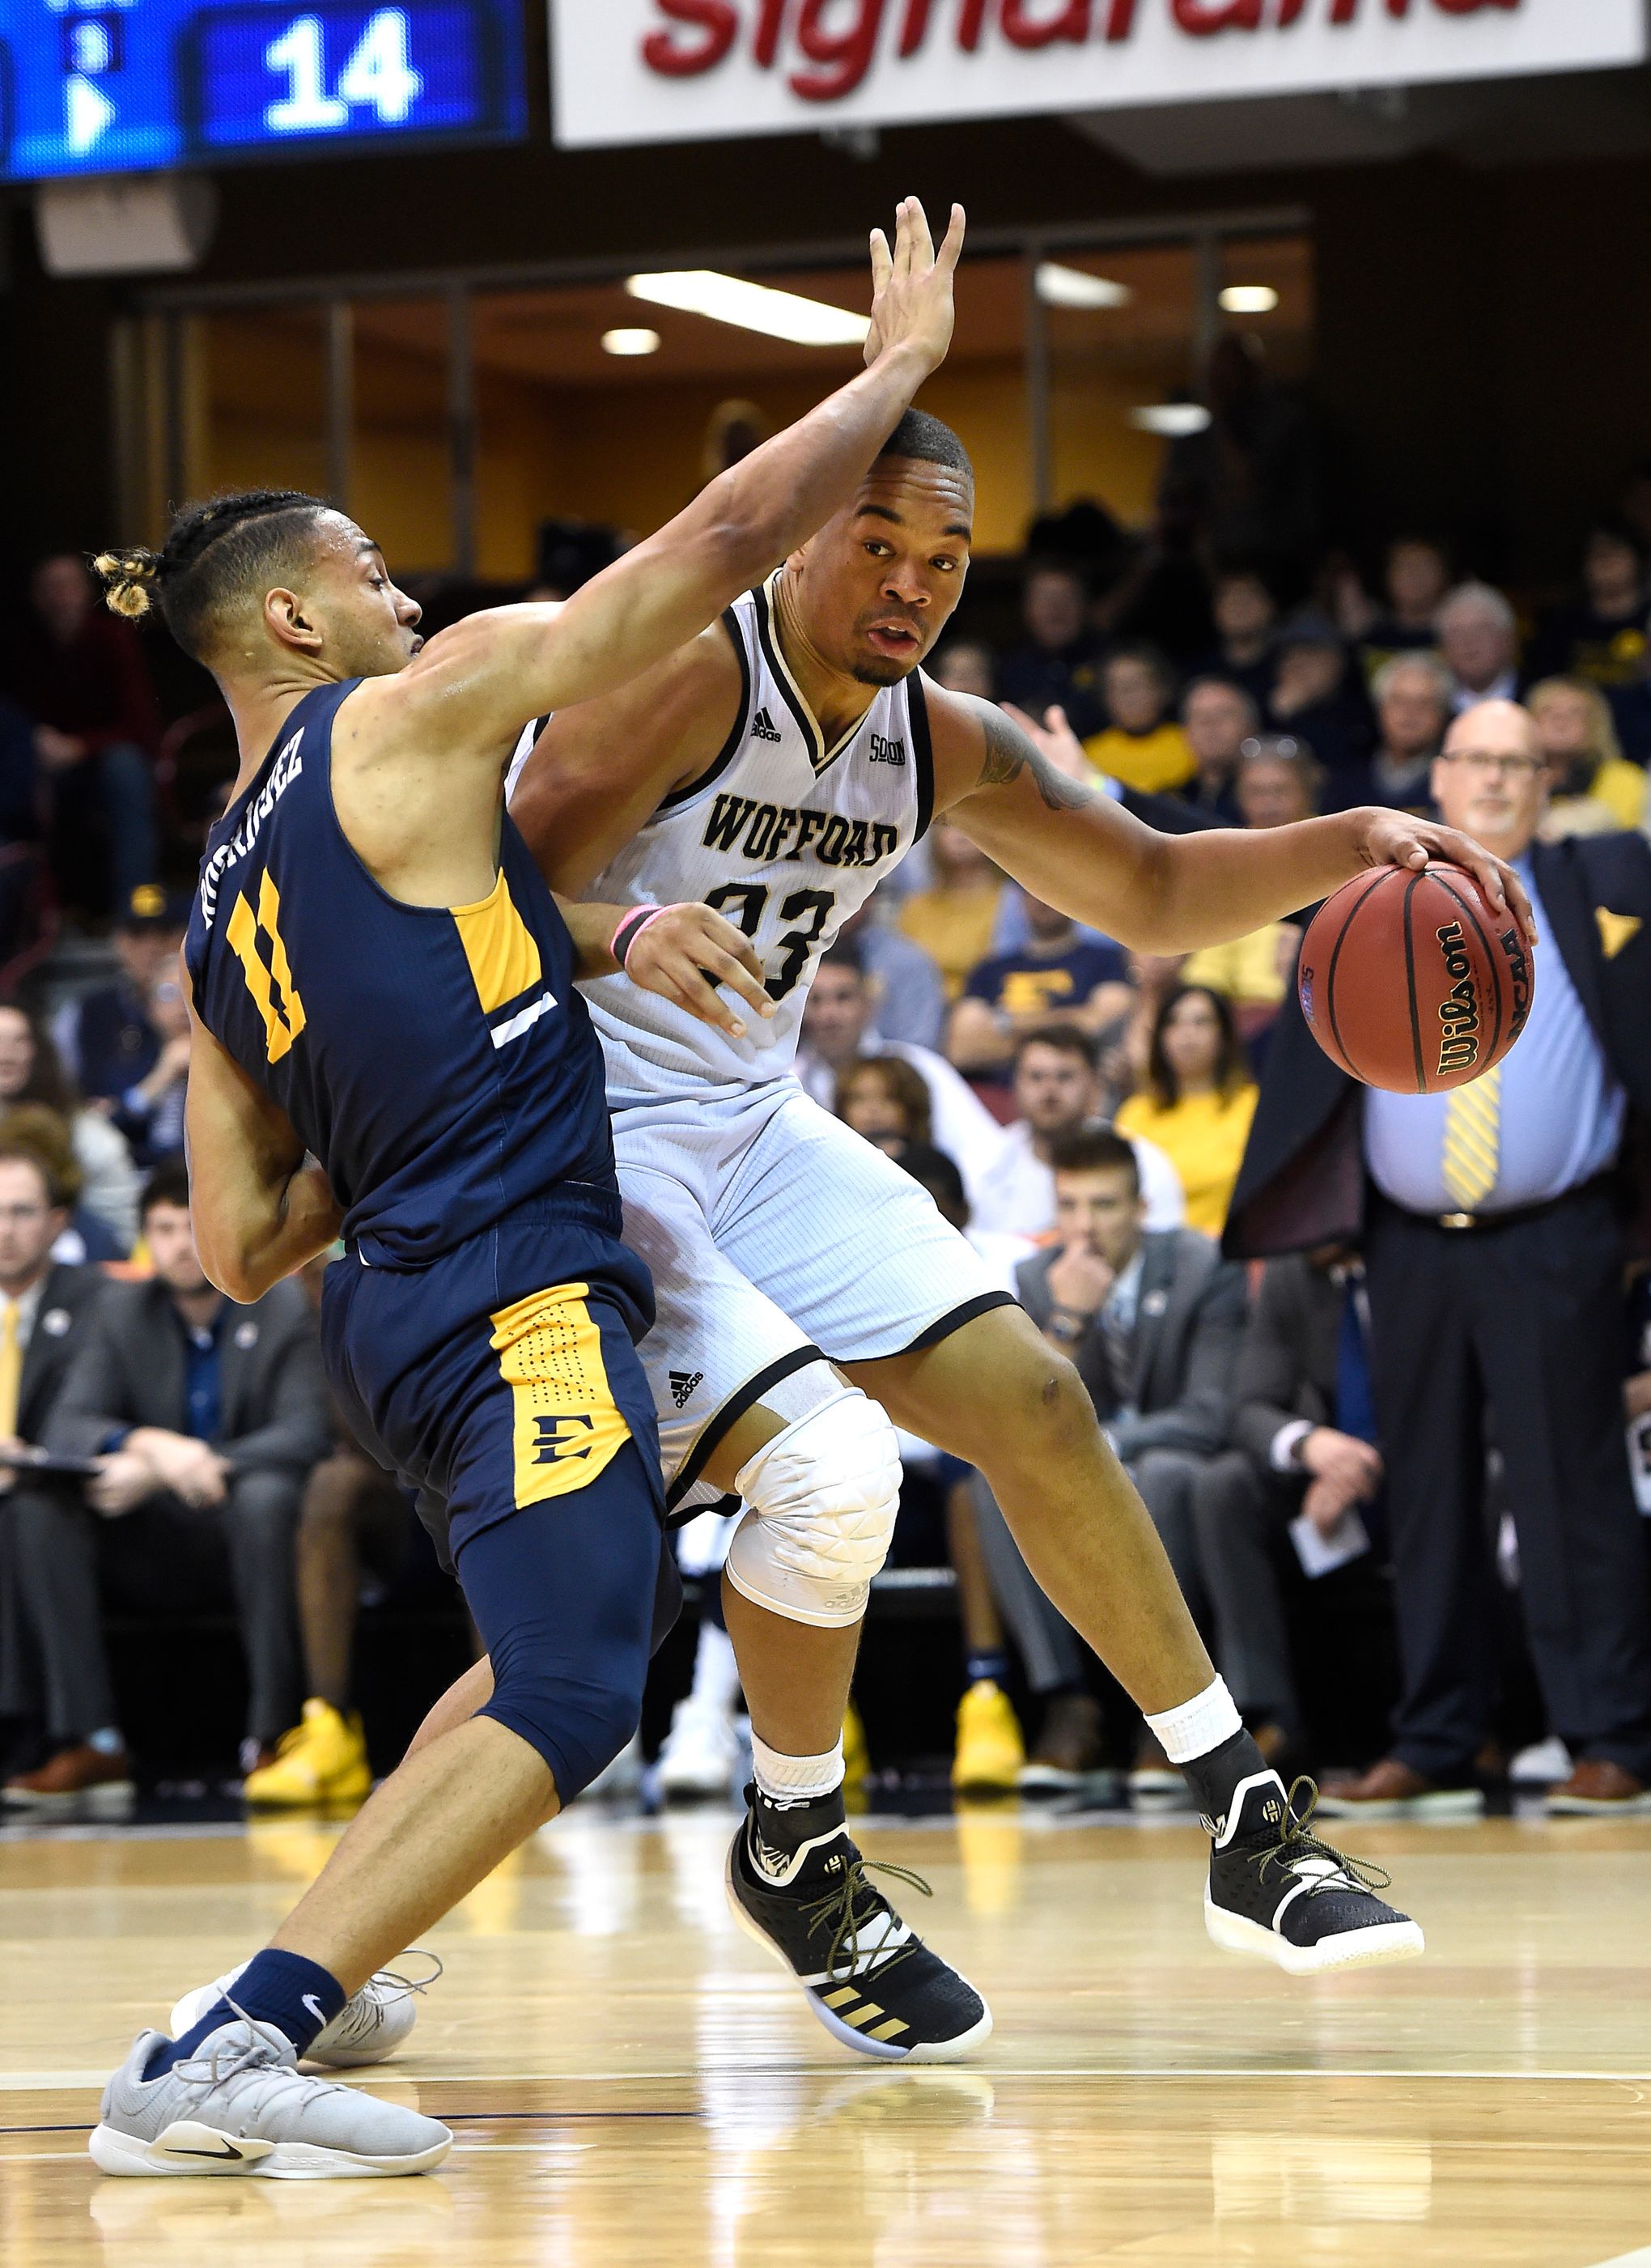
821 1500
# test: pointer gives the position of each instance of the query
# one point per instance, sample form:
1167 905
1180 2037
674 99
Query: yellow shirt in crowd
955 928
1204 1136
1245 972
1152 762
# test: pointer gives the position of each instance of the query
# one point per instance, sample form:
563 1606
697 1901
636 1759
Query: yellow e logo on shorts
283 1018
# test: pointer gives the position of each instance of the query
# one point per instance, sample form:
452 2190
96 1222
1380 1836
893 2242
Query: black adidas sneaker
798 1885
1276 1891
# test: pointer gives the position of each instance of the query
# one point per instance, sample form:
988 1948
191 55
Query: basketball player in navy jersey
777 767
389 1046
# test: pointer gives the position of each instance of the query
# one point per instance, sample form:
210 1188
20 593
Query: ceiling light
1175 421
1249 300
630 340
1075 287
752 307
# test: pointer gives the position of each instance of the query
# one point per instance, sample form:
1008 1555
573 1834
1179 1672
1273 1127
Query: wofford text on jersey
829 51
767 828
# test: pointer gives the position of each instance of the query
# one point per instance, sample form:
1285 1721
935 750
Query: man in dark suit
1493 1243
45 1309
204 1419
1152 1320
1303 1437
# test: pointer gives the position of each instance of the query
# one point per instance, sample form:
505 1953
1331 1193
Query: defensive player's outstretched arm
258 1208
483 679
1071 844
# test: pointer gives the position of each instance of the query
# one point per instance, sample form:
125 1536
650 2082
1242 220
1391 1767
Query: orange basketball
1411 982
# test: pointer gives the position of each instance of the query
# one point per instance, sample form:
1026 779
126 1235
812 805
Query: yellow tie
11 1371
1473 1121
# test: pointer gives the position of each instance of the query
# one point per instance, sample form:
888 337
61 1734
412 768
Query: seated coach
1492 1223
203 1419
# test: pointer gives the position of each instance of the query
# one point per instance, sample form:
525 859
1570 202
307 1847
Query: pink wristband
629 927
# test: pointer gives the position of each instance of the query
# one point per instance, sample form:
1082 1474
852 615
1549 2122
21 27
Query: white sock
715 1673
1194 1728
795 1780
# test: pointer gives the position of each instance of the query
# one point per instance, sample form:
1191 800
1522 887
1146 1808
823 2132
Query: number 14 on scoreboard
378 75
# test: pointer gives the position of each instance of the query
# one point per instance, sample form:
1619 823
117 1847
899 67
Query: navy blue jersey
437 1060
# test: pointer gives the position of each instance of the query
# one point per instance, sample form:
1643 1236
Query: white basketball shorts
776 1235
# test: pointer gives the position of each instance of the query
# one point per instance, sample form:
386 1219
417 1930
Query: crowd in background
1083 1111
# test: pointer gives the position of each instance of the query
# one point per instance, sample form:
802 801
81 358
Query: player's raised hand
686 952
912 286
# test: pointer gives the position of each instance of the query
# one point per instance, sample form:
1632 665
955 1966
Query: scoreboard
128 85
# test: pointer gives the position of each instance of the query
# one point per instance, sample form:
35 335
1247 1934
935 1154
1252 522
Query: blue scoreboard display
127 85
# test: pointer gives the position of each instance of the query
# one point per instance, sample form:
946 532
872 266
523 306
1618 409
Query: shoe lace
841 1912
383 1989
252 2064
1296 1843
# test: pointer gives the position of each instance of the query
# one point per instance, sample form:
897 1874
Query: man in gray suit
1152 1319
204 1419
1303 1437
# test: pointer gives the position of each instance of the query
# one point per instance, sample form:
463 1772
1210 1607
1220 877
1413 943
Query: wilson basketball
1410 981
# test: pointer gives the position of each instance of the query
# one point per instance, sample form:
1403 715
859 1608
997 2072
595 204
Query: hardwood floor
631 2082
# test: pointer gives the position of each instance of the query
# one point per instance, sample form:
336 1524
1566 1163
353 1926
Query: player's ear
799 559
288 624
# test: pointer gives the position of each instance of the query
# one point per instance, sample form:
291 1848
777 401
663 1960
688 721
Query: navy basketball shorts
501 1382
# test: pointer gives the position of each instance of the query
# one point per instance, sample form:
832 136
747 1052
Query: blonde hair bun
128 579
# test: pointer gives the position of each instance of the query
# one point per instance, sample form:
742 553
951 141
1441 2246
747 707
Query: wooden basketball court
631 2082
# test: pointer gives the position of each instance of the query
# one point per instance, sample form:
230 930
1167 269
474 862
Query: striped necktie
1472 1152
11 1371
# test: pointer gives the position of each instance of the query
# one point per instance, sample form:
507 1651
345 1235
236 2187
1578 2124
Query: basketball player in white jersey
776 769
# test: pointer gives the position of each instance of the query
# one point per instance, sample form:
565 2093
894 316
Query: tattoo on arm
1009 752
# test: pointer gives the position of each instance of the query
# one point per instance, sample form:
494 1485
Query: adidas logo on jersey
887 751
762 726
682 1384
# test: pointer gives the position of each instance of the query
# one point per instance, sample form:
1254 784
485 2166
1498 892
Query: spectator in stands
44 1311
1464 1202
31 1072
1320 697
1057 972
1280 781
1057 1092
1478 637
1416 577
838 1026
1152 1320
954 919
1197 1102
1592 787
355 1518
1412 694
151 1108
45 1135
884 1098
1059 663
1246 622
1142 745
1304 1435
105 1037
1602 636
81 675
965 666
205 1421
910 993
1217 716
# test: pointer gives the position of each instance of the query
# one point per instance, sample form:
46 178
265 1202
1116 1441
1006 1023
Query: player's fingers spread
952 250
922 238
723 969
701 998
902 238
883 260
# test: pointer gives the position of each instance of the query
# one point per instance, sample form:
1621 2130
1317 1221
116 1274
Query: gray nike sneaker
238 2105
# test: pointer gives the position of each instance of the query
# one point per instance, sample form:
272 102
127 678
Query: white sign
687 70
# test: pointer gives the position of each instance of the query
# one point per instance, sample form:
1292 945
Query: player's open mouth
893 637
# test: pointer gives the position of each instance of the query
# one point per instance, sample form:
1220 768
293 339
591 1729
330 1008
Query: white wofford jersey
784 836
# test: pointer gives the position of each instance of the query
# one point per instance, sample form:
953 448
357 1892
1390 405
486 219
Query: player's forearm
778 496
1210 888
250 1234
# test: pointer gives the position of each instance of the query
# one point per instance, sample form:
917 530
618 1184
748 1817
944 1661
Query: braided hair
213 554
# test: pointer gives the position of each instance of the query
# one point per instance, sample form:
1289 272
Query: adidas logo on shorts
762 726
684 1381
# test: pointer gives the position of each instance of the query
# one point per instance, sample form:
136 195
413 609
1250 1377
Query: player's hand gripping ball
1411 980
